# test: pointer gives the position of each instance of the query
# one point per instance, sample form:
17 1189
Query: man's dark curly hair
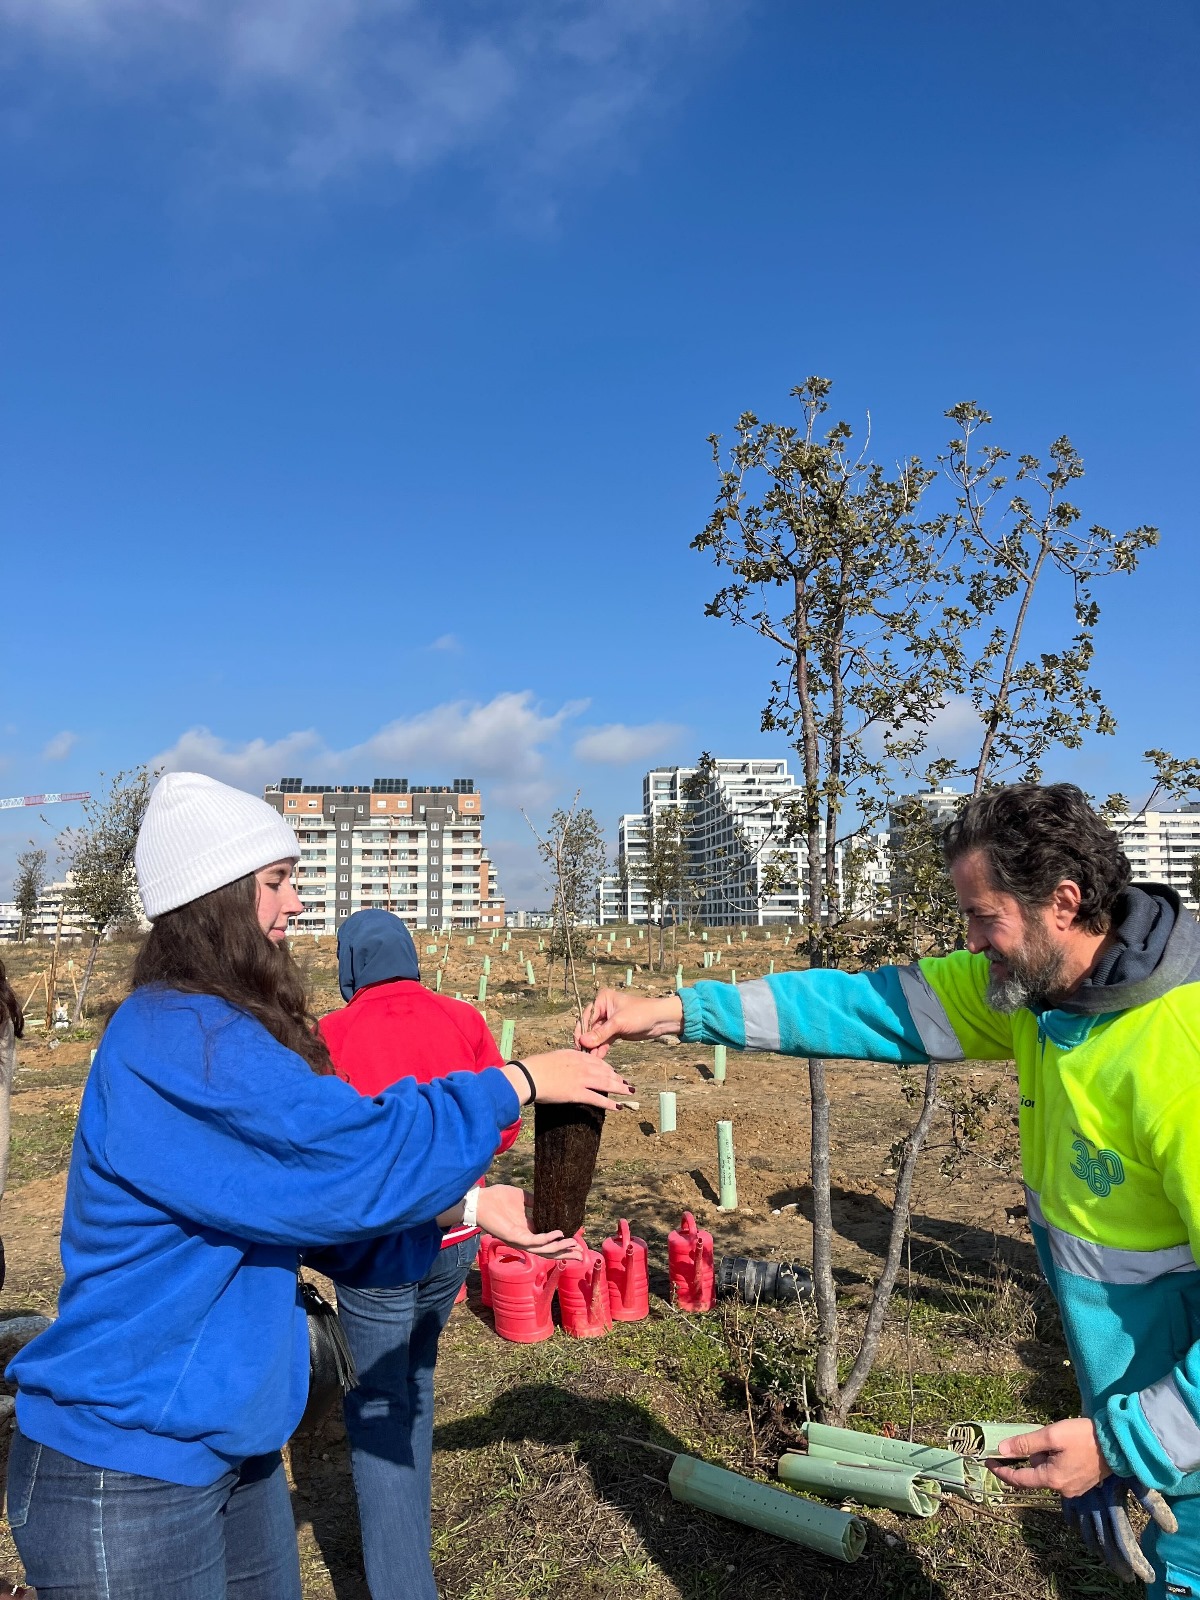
1033 836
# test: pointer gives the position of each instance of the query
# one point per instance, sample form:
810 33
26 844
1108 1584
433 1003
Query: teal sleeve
1154 1435
865 1016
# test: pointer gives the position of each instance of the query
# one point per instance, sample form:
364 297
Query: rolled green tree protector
846 1444
758 1505
877 1483
981 1439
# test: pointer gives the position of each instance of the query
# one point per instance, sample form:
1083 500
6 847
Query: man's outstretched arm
894 1014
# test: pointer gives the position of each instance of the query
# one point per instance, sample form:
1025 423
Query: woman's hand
1065 1456
502 1211
566 1077
613 1015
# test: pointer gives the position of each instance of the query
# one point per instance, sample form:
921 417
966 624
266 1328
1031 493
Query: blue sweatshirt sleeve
208 1116
865 1016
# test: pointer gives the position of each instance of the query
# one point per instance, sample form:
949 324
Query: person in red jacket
392 1299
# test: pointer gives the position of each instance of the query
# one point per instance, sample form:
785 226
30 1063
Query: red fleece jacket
403 1030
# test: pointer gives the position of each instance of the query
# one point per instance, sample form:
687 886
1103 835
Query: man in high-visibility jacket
1092 985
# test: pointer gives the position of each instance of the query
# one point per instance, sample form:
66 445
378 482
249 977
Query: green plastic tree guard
437 980
880 1483
431 949
726 1171
666 1111
470 938
733 974
487 964
719 1054
508 1031
771 968
981 1439
529 978
758 1505
679 977
482 987
629 977
968 1478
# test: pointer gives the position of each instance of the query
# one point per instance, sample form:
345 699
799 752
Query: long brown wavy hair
214 945
10 1006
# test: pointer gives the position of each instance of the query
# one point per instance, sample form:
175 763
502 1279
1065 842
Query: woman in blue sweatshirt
212 1144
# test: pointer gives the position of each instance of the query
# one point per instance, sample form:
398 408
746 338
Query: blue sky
358 358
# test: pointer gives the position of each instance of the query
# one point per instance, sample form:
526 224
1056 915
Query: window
343 877
345 827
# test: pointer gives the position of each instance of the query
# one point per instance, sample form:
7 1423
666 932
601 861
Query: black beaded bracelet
521 1067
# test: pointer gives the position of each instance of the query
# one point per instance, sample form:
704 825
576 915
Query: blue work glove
1100 1519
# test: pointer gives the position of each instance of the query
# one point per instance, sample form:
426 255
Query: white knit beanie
198 835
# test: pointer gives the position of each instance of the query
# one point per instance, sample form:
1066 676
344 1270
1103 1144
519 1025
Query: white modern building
417 851
1162 845
740 868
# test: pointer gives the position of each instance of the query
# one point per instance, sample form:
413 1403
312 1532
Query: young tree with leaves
663 871
100 861
879 621
28 885
573 850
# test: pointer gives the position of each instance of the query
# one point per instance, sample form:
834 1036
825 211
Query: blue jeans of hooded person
88 1533
393 1334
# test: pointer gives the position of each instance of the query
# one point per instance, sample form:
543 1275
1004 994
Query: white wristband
470 1216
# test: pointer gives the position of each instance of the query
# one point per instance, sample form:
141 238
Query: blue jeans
393 1334
85 1533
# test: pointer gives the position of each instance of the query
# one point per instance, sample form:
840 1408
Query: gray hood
1157 948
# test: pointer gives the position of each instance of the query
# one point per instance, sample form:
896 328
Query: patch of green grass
691 1354
41 1142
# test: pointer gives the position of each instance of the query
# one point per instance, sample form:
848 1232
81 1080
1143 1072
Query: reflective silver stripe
938 1038
1173 1424
1105 1262
760 1017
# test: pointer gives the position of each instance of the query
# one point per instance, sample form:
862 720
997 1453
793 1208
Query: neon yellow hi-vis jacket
1110 1144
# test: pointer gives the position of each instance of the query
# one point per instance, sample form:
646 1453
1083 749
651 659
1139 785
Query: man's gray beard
1034 978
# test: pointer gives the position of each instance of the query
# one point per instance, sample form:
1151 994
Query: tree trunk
87 978
824 1291
886 1282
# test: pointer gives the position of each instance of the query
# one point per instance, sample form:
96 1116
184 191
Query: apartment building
739 869
416 850
1162 845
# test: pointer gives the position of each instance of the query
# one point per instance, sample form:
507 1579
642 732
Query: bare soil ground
536 1494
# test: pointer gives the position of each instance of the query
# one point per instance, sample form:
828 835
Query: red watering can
486 1244
583 1295
522 1294
625 1267
690 1265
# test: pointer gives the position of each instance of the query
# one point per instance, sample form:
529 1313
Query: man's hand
613 1015
502 1212
1065 1456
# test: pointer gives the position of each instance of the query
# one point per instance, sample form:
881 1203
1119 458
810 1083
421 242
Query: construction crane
15 800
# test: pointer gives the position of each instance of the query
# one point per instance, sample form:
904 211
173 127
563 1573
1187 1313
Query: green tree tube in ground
726 1171
758 1505
666 1111
719 1054
508 1033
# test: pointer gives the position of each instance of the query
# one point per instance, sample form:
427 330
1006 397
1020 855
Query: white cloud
60 747
446 641
618 742
305 90
500 742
